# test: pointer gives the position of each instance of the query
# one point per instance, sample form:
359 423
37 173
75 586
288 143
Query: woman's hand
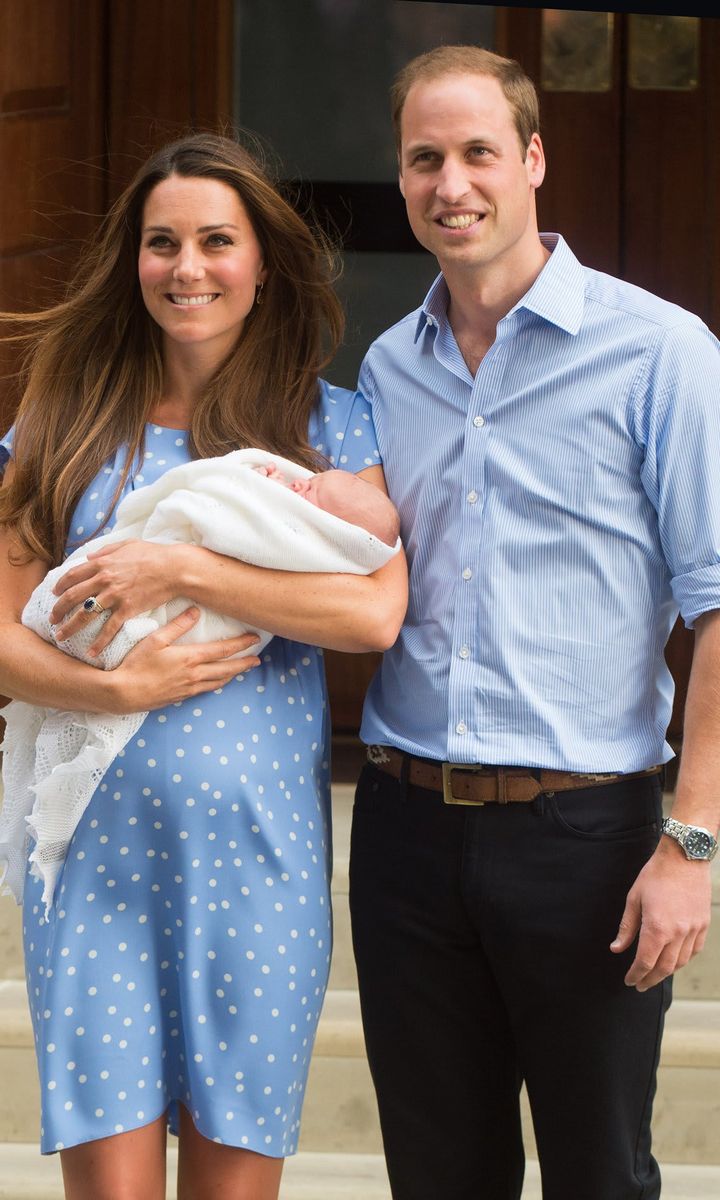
127 578
156 672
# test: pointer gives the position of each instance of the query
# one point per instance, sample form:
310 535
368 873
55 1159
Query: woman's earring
258 294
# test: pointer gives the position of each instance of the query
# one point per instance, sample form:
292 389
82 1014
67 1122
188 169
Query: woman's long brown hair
94 371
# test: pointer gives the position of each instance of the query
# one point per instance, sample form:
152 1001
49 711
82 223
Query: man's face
468 192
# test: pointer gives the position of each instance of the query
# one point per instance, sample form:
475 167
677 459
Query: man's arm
669 903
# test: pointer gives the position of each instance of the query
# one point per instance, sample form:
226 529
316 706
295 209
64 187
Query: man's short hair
518 88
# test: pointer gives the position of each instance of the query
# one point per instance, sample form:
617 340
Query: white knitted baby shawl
54 760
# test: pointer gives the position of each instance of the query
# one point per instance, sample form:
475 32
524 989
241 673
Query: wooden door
169 70
51 151
86 89
52 157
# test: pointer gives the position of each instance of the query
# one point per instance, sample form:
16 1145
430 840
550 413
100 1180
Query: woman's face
200 264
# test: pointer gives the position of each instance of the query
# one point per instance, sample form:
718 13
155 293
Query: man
551 437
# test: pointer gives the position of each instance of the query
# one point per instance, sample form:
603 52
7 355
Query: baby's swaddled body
54 760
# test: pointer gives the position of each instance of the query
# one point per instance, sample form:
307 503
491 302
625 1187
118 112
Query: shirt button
430 321
478 422
461 727
467 573
472 497
464 651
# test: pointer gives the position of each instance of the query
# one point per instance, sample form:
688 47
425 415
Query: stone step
699 979
25 1175
340 1114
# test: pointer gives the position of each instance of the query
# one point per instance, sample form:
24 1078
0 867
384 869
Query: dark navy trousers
482 938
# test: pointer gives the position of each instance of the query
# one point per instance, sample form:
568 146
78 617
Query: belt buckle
447 770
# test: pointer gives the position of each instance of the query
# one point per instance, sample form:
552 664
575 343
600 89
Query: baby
345 496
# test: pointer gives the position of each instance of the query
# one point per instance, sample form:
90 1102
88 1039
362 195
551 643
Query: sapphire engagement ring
93 605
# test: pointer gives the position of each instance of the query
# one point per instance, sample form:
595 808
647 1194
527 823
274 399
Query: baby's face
346 496
336 492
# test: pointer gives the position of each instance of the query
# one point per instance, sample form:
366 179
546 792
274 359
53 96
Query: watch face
698 844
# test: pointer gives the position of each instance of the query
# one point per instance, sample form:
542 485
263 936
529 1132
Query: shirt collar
434 307
557 295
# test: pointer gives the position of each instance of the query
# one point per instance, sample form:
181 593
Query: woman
181 971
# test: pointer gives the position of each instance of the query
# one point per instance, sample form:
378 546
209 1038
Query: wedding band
93 605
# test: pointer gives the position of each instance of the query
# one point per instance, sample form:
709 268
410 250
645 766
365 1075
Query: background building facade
630 110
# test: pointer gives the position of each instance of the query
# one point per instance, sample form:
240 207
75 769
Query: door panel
51 149
170 70
669 217
582 137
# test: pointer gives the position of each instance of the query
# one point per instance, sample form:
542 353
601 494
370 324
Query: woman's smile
192 301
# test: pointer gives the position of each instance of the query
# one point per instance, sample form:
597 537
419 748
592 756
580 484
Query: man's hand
669 906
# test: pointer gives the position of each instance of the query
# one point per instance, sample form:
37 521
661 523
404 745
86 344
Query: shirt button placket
475 456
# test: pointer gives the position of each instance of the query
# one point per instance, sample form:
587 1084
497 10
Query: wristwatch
697 842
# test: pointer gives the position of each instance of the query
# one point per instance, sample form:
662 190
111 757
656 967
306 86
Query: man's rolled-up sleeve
679 419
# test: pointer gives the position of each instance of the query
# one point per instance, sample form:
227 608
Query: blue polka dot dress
186 955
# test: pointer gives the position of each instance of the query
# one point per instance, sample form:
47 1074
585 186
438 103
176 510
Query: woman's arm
340 611
154 674
346 612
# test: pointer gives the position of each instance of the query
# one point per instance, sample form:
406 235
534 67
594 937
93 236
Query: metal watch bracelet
697 842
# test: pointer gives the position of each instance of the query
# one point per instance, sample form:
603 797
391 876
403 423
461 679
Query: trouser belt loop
404 778
501 786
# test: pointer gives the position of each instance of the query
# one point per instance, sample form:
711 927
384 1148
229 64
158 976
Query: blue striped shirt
558 510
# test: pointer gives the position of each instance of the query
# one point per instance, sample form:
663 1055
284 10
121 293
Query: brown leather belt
471 783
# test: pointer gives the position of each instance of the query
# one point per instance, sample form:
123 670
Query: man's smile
459 220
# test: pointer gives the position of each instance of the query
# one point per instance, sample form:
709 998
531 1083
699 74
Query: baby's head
346 496
352 499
